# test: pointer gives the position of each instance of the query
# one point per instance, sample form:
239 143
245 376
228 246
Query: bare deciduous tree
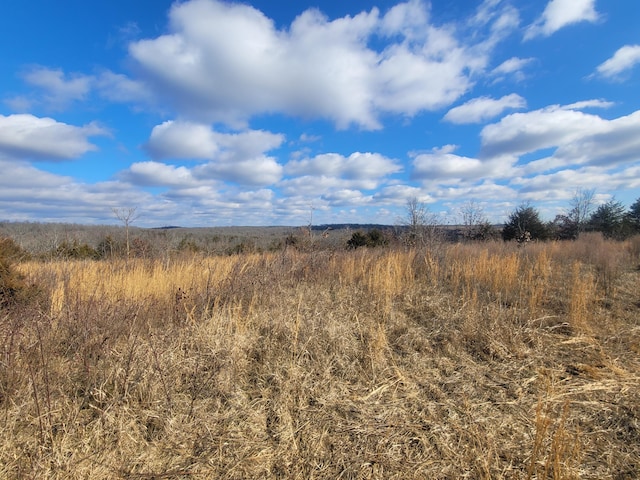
420 224
476 224
127 216
581 207
571 224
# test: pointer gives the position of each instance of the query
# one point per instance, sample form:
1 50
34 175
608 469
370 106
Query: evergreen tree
525 219
633 217
608 219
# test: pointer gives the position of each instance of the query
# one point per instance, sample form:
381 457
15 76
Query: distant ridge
342 226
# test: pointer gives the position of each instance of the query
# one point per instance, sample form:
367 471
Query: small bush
110 248
357 240
12 285
242 248
373 238
188 245
291 240
376 238
141 248
76 250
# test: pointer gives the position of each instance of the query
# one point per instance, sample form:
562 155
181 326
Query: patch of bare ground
463 361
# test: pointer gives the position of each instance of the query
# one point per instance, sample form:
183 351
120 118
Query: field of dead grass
463 361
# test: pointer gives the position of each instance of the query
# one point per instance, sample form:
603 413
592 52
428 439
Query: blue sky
207 113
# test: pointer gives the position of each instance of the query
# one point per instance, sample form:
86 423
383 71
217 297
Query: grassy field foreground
461 361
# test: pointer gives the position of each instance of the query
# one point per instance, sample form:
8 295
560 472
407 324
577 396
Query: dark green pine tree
524 219
633 217
608 219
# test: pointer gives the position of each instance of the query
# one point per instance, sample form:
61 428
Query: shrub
12 285
141 248
76 250
242 248
109 248
188 245
376 238
357 240
373 238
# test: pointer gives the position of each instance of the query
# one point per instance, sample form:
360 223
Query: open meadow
461 360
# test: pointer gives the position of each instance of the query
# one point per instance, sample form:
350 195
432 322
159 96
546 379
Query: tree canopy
608 219
523 219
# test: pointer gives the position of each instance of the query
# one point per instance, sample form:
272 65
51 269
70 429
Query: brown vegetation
461 361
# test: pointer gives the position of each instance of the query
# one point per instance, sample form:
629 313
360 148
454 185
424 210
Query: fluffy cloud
482 109
487 190
559 14
28 137
29 193
257 171
616 143
357 166
226 62
521 133
240 158
622 61
586 149
399 194
559 185
346 197
443 166
182 140
333 177
26 178
117 87
57 90
496 17
195 141
593 149
511 67
60 89
234 157
155 174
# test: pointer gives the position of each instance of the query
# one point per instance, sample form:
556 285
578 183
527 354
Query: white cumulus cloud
481 109
443 166
235 157
576 141
195 141
28 137
59 89
355 166
184 140
154 174
520 133
225 62
561 13
513 67
622 61
333 177
257 170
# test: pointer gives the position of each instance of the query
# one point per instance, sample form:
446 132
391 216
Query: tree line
611 219
420 227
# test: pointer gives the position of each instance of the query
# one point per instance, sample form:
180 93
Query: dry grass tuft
468 361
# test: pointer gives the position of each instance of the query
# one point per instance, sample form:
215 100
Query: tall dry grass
466 361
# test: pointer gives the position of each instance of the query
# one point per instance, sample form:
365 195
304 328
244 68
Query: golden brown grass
467 361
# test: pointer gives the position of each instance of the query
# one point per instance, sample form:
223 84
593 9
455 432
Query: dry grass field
480 361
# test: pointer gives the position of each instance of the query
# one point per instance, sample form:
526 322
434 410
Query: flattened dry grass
474 361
